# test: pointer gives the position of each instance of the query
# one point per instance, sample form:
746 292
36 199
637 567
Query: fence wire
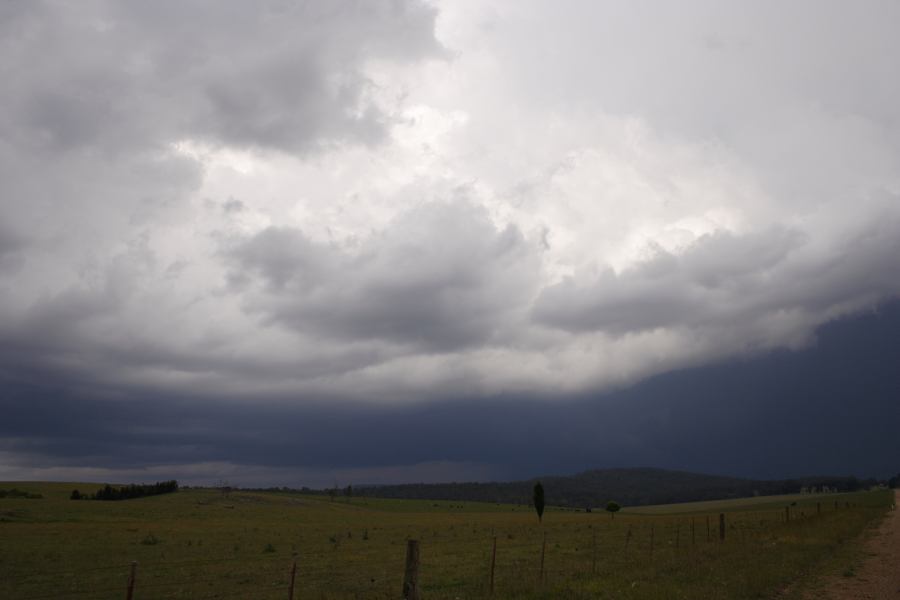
471 564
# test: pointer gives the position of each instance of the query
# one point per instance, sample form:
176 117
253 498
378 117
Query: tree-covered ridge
127 492
630 487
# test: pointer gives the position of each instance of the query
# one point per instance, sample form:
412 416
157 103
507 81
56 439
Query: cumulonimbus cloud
402 201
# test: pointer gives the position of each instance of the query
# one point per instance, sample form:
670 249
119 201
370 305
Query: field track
878 577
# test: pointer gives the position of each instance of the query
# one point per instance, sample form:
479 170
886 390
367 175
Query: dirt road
878 578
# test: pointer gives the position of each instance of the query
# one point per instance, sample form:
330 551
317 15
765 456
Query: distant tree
612 508
348 491
224 487
538 498
76 495
105 493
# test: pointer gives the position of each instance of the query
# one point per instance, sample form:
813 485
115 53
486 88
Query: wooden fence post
693 533
787 514
293 576
627 537
493 563
707 528
818 508
593 551
678 534
411 572
721 527
651 540
131 578
543 552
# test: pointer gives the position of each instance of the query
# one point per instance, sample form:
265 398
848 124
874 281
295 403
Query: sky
301 242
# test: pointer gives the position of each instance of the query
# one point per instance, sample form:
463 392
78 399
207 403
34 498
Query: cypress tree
539 501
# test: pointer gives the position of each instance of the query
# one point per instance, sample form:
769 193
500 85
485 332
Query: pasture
200 543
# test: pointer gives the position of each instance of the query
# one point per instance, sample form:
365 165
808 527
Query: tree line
127 492
17 493
630 487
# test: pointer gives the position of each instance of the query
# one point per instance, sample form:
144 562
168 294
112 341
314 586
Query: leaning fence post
131 577
411 572
493 563
722 527
787 514
293 576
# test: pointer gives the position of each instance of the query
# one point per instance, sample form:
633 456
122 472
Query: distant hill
629 487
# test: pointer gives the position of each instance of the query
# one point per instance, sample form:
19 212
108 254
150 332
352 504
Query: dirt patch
878 577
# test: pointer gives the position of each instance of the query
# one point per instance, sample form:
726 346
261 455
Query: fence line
655 539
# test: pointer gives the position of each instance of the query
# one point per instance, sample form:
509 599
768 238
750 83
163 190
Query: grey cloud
439 277
713 280
10 244
117 75
233 205
865 264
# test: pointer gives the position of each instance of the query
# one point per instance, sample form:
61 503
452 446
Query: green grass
201 544
801 503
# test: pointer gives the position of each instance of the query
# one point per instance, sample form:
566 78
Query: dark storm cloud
440 277
123 75
828 409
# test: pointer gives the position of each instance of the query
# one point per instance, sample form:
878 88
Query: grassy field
201 544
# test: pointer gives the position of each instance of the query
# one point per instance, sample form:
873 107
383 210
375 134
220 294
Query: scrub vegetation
203 543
